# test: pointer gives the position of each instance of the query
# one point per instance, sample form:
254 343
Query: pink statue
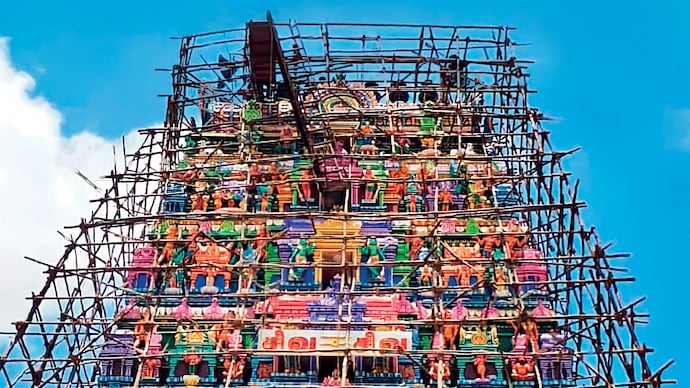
542 311
402 305
129 312
182 311
459 312
520 343
491 312
213 311
437 341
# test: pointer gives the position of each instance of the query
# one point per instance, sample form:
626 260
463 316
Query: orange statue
218 197
480 366
264 203
199 202
445 198
275 174
450 331
440 368
238 372
212 260
305 185
264 370
500 280
149 369
426 276
227 366
514 240
489 242
193 360
142 329
169 248
366 130
522 369
415 246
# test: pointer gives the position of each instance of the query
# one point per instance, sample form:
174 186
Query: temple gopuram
337 205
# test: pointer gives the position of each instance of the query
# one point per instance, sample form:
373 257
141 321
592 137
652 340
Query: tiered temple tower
331 204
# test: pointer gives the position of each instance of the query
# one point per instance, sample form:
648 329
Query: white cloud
39 190
678 128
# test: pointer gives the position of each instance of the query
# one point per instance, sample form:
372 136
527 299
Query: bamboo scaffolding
59 341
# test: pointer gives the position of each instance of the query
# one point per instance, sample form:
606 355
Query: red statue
480 366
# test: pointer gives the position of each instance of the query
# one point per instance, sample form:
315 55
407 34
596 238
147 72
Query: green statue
301 254
373 254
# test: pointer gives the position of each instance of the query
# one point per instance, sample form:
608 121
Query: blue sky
612 74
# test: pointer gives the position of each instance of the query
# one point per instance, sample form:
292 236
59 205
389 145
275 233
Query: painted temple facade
386 250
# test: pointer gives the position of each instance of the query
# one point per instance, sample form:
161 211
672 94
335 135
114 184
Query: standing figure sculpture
413 196
370 184
305 193
445 199
480 366
372 254
302 253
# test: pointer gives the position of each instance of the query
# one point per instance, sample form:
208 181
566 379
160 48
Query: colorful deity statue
174 272
450 331
522 369
416 244
458 170
263 190
263 371
305 193
528 327
480 366
426 276
287 143
489 243
301 254
199 201
264 203
275 173
238 370
235 198
250 254
372 254
500 281
150 366
218 197
142 330
414 199
228 367
515 239
193 359
370 185
438 369
445 199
